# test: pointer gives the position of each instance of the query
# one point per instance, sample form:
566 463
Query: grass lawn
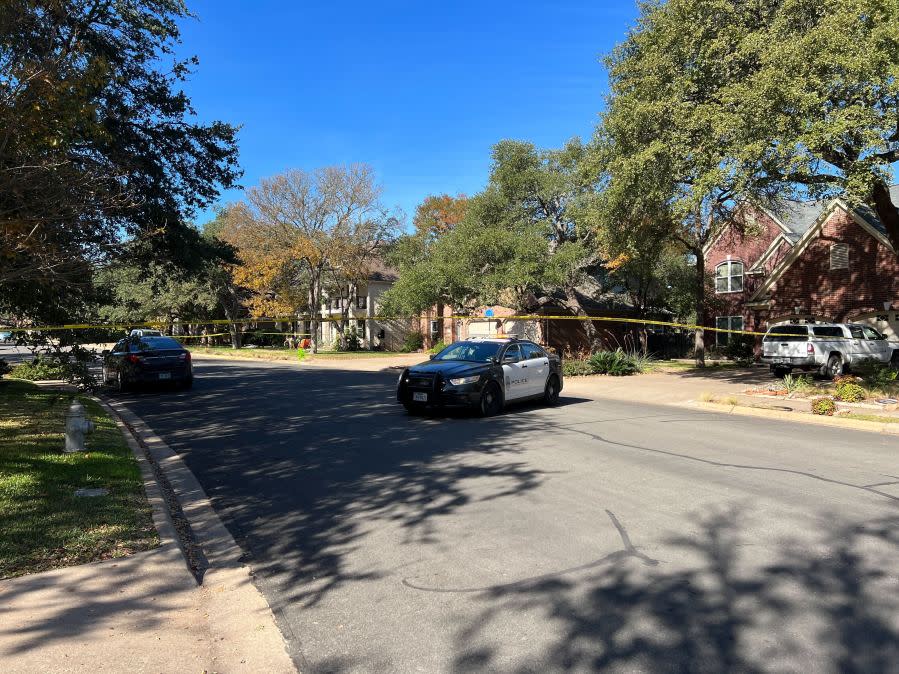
682 365
280 353
44 525
870 417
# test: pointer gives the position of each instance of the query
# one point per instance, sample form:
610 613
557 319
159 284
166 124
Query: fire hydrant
77 425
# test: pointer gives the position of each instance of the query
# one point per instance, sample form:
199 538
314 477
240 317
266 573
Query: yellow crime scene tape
332 319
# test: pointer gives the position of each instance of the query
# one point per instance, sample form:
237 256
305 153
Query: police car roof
500 340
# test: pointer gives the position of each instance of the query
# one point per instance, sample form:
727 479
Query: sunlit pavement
594 535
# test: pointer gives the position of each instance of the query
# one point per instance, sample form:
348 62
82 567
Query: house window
727 323
435 329
839 256
361 302
729 277
360 328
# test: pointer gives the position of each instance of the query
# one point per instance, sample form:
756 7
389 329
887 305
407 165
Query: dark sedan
145 360
483 374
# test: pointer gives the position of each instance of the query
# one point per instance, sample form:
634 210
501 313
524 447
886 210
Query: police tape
338 319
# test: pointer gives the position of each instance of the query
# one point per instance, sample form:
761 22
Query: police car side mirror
432 356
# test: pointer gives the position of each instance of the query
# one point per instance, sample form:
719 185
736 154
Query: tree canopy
98 143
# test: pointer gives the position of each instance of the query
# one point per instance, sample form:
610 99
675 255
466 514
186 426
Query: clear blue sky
419 89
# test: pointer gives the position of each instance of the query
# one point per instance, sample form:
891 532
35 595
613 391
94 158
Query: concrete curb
798 417
225 582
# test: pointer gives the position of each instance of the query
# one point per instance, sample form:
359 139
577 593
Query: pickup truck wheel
834 366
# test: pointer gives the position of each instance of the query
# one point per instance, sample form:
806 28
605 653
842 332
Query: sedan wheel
491 401
551 392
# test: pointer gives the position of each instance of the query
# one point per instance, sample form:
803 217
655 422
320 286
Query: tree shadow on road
303 465
827 609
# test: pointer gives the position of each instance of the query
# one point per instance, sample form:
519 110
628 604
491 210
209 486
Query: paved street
598 534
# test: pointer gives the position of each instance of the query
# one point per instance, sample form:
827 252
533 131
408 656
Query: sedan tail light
132 358
184 356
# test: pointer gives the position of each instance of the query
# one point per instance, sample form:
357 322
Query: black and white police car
484 374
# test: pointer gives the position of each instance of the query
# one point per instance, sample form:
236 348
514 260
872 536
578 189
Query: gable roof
795 217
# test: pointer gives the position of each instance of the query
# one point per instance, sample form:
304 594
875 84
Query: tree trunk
699 338
314 311
234 329
888 213
589 329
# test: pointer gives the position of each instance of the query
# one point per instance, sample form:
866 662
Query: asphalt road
593 535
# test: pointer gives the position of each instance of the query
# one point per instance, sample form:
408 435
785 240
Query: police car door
514 375
537 363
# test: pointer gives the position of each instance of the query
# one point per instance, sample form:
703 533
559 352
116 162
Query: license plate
420 397
165 375
781 361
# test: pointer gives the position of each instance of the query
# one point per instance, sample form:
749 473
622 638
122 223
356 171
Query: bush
576 368
850 392
616 363
741 349
414 342
876 374
40 369
301 353
824 406
798 384
438 347
4 367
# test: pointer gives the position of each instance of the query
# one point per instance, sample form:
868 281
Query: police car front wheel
491 400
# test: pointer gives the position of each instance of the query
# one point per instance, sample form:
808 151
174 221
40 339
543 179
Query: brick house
814 261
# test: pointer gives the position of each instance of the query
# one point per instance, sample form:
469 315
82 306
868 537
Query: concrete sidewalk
145 613
674 387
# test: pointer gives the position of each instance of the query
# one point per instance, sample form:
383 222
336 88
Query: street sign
488 313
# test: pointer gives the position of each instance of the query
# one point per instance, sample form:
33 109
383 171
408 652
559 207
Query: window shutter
839 256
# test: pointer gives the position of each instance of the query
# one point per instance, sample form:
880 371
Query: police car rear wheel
491 401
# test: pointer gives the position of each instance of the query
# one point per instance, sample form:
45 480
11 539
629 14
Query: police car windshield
476 352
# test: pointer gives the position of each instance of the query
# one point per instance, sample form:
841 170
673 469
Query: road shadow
302 463
751 376
828 609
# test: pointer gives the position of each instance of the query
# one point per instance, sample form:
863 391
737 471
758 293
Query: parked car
143 360
483 374
828 349
5 336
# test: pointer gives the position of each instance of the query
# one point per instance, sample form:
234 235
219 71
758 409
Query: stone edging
799 417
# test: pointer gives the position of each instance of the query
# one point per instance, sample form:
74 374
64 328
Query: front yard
44 524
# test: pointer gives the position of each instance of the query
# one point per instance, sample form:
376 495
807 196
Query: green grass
280 353
870 417
44 525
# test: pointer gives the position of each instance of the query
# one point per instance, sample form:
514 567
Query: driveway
600 534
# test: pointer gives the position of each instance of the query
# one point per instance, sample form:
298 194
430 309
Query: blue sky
419 90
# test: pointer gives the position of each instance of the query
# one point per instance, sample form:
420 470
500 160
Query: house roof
797 216
378 270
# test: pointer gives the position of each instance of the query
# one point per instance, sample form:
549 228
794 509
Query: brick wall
746 247
809 283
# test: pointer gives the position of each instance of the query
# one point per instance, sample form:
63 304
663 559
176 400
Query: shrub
798 384
414 342
824 406
576 368
301 353
438 347
616 363
4 367
40 369
741 349
850 392
876 374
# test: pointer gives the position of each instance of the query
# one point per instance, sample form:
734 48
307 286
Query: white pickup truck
826 348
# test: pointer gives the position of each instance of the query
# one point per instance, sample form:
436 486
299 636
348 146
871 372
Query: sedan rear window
155 344
787 333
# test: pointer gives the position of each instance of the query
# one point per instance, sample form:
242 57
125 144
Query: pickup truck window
828 331
787 333
856 332
871 333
